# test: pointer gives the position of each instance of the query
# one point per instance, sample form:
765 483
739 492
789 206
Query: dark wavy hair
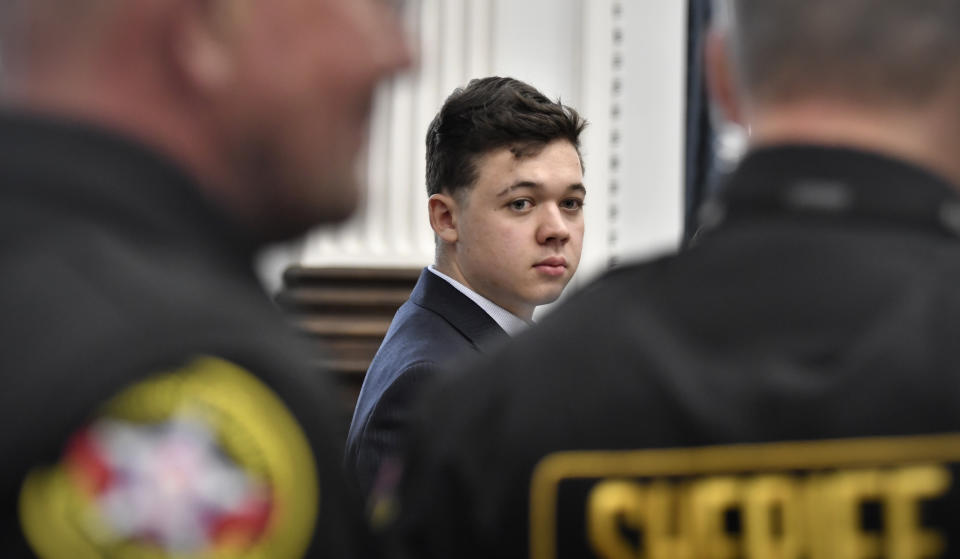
487 114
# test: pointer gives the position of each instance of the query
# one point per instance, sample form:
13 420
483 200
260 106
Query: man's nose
553 227
395 50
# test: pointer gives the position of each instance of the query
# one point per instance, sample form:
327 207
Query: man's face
307 74
520 226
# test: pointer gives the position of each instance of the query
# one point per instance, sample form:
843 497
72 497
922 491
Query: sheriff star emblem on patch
201 462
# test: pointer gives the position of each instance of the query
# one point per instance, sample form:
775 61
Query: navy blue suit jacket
436 325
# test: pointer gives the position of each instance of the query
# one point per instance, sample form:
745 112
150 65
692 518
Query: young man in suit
788 386
506 190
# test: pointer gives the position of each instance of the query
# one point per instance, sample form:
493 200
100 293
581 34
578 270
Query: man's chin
328 204
340 202
547 298
298 220
280 231
331 214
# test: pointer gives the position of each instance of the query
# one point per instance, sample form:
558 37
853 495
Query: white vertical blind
652 103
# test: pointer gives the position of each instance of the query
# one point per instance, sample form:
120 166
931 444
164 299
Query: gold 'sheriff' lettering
819 516
793 499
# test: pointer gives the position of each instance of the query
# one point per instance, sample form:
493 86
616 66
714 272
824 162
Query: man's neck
451 270
926 138
143 109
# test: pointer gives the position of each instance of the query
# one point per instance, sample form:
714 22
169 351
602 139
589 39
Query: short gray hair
10 21
902 51
28 24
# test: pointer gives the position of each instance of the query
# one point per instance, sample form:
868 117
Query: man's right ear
721 79
443 217
202 44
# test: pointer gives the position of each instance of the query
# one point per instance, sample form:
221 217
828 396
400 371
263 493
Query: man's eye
520 205
572 204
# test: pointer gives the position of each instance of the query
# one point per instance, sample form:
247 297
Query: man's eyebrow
531 184
518 185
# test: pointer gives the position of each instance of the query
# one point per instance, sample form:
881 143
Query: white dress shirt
511 323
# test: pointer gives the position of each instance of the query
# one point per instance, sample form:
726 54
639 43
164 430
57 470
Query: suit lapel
434 293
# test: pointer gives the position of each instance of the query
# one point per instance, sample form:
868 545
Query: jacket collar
834 183
435 294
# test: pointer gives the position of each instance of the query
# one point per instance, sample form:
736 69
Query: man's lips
553 266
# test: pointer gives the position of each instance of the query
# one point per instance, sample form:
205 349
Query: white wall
619 62
649 197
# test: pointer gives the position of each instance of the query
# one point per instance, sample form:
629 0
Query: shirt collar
511 323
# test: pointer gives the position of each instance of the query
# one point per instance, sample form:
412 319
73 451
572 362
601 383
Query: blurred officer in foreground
788 387
506 203
153 402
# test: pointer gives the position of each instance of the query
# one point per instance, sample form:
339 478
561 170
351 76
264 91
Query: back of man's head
492 113
876 75
33 32
867 51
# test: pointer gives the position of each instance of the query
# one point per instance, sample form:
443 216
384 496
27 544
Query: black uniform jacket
132 322
788 387
435 326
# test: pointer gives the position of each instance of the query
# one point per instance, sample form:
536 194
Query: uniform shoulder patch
204 461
